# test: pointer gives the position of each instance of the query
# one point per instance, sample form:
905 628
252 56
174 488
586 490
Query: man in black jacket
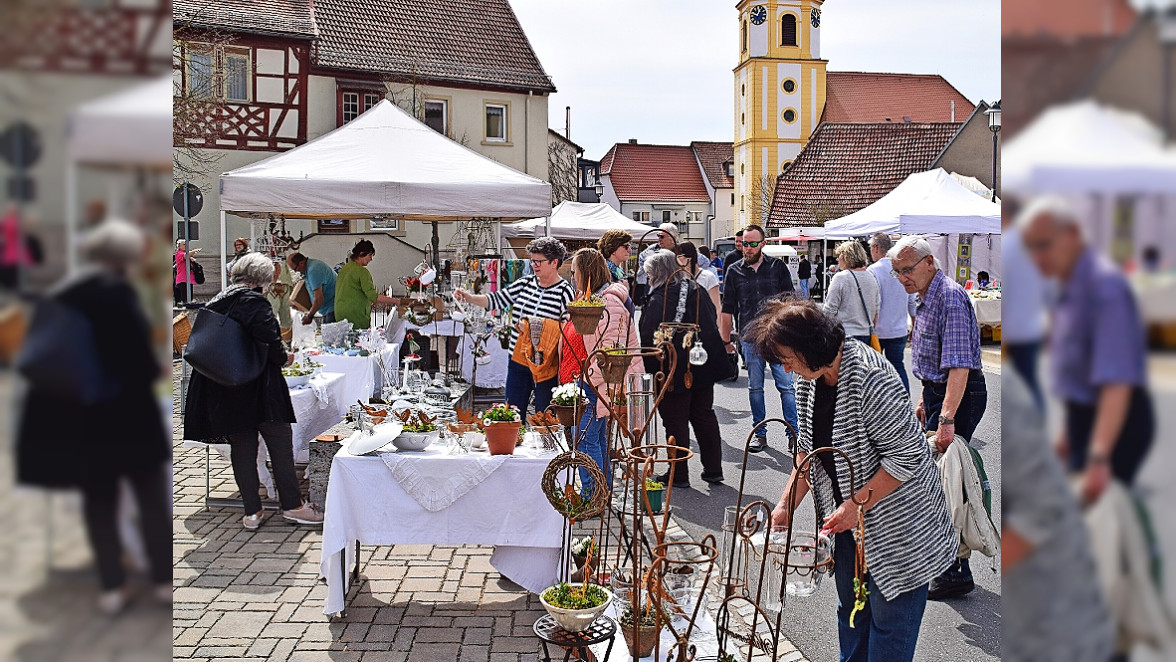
735 255
750 282
804 272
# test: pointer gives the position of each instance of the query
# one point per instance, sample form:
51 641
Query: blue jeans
804 287
885 630
1024 360
755 389
591 435
520 384
971 409
893 349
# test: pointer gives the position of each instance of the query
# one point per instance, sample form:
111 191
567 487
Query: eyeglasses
906 273
535 263
751 244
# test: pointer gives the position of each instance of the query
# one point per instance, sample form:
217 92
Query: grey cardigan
909 535
843 301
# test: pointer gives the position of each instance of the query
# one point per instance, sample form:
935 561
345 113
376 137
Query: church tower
779 95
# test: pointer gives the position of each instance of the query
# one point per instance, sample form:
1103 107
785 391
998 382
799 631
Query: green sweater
354 295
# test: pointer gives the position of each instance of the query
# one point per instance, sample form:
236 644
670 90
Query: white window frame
667 216
641 217
242 53
505 123
356 112
383 225
218 81
444 114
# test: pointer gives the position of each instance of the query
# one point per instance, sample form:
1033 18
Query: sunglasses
751 244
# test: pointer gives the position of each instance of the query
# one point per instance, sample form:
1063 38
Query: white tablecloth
491 375
987 311
362 375
1156 294
507 509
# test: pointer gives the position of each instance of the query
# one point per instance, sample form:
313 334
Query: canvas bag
220 349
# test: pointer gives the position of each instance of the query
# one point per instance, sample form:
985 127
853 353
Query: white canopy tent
383 163
129 129
575 220
924 202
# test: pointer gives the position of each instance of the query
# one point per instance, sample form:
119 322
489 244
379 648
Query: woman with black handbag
259 406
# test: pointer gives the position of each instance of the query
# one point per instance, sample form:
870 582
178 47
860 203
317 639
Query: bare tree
823 212
562 171
763 191
191 108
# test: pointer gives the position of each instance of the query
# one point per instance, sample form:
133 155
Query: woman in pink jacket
591 275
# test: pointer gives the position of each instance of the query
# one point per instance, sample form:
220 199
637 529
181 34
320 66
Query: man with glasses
945 348
897 307
667 238
751 281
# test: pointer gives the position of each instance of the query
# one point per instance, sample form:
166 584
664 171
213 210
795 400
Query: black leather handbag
220 349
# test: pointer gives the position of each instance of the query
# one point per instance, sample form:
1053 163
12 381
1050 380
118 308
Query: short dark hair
799 325
296 258
739 234
550 248
363 247
753 226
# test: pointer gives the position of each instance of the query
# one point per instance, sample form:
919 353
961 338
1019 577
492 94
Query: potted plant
582 548
641 630
613 363
564 400
655 493
502 423
575 607
503 335
585 313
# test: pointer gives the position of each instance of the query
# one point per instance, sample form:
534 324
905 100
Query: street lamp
599 190
993 113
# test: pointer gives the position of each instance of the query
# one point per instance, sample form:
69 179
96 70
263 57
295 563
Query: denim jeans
755 389
894 349
520 384
804 287
590 434
885 630
972 405
1024 359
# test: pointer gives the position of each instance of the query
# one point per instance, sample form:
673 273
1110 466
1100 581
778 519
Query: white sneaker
308 513
163 594
112 602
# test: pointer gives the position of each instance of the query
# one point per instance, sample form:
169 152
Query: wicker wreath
564 498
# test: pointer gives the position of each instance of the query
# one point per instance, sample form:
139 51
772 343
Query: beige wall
695 232
723 224
970 153
1133 80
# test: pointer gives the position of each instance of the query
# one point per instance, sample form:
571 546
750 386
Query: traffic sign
20 145
195 199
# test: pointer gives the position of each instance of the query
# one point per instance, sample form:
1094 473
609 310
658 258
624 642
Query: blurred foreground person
1053 609
124 436
1023 304
945 355
261 406
1098 352
850 398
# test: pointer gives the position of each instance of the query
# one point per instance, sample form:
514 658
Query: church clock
759 14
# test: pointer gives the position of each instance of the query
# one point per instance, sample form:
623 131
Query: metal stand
549 632
343 576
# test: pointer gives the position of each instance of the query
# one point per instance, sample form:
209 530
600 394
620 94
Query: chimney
953 110
568 122
906 119
632 141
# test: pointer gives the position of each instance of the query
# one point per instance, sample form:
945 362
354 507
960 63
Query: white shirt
897 306
1025 300
707 279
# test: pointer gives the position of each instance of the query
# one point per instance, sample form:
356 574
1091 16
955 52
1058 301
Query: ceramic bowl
295 382
576 620
415 441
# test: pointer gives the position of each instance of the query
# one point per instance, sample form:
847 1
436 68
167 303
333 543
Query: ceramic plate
363 442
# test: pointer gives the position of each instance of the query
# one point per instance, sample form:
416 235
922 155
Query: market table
490 375
987 311
364 375
495 500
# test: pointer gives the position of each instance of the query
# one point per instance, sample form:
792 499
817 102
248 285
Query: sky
660 71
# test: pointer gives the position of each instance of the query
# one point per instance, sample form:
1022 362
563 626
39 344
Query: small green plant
566 596
621 400
420 427
500 413
590 300
568 395
648 617
653 485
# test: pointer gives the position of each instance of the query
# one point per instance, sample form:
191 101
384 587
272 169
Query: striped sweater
525 298
909 536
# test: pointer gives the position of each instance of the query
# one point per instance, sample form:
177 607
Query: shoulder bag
222 350
60 359
873 335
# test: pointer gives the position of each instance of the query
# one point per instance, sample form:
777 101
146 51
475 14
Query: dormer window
729 168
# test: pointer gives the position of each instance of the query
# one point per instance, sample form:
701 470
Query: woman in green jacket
355 293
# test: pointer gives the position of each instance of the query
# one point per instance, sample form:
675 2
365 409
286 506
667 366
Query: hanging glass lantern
698 354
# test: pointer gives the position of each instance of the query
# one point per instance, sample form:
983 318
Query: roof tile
654 173
712 156
880 97
845 167
294 17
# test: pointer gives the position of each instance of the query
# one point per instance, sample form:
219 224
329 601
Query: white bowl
475 440
294 382
415 441
576 620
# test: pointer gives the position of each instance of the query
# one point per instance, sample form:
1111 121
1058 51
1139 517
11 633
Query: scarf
228 292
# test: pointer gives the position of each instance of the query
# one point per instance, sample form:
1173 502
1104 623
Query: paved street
963 629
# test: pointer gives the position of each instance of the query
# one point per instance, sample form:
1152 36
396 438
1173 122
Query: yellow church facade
779 95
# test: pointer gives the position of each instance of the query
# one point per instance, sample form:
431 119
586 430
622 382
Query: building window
729 168
784 166
741 201
437 115
789 85
732 199
496 123
666 216
788 30
693 217
237 78
334 226
641 217
356 103
384 225
744 38
199 74
221 73
789 115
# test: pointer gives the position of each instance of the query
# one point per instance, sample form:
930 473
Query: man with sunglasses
945 352
749 282
667 238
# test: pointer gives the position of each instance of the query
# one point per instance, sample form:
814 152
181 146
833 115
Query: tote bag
220 349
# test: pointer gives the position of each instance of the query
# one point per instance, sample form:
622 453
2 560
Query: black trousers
179 293
279 442
100 496
972 405
682 408
1133 443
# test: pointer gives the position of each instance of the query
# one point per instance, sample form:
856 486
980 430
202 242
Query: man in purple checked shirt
1099 351
945 351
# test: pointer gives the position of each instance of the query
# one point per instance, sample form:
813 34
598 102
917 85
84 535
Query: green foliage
566 596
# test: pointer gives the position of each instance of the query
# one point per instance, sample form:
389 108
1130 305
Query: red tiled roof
1066 18
435 40
654 172
290 17
1043 71
873 97
712 156
845 167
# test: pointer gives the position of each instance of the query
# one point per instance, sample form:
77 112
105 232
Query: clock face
759 14
815 17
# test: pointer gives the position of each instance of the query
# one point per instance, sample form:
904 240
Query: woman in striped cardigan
849 397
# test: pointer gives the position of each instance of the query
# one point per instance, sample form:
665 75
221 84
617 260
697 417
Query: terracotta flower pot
585 318
613 366
566 414
641 639
501 437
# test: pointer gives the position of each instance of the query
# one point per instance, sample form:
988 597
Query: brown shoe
308 513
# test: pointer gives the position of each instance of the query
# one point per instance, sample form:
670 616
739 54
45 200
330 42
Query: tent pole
436 247
223 260
498 224
546 226
71 215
